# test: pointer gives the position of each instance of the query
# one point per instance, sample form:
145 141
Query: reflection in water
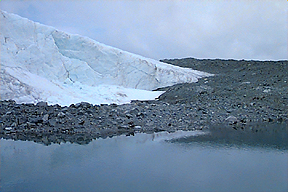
144 162
272 136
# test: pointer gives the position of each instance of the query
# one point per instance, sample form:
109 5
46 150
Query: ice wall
31 51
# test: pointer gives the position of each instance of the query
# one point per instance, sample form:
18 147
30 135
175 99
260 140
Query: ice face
39 62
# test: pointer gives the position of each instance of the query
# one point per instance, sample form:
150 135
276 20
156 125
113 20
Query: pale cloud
171 29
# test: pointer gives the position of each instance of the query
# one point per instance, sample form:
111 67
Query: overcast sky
227 29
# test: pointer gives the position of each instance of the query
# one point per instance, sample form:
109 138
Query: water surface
144 162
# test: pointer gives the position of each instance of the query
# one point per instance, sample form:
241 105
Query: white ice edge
41 63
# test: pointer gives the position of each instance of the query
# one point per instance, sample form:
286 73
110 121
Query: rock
151 123
113 105
52 122
81 112
42 104
123 127
64 109
45 117
81 121
31 125
13 124
140 114
8 113
128 115
83 105
61 114
36 120
231 119
131 124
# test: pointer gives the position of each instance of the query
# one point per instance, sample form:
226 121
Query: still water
144 162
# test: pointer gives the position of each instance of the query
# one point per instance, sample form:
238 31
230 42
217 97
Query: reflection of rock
274 135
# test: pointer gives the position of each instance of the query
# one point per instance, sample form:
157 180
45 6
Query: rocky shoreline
243 96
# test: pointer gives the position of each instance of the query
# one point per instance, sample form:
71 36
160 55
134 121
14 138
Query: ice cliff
41 63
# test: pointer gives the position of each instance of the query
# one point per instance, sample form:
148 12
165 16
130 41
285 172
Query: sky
225 29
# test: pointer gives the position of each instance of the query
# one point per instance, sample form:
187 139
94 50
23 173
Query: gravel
245 96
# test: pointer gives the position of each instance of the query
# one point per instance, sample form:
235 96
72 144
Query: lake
180 161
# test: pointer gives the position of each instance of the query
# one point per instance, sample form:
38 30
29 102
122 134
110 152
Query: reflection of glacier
39 62
158 137
58 154
124 165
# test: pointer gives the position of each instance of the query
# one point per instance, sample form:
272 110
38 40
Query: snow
41 63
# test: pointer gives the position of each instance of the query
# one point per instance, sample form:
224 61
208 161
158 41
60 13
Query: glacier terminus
41 63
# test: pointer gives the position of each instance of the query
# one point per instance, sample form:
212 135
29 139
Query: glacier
41 63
